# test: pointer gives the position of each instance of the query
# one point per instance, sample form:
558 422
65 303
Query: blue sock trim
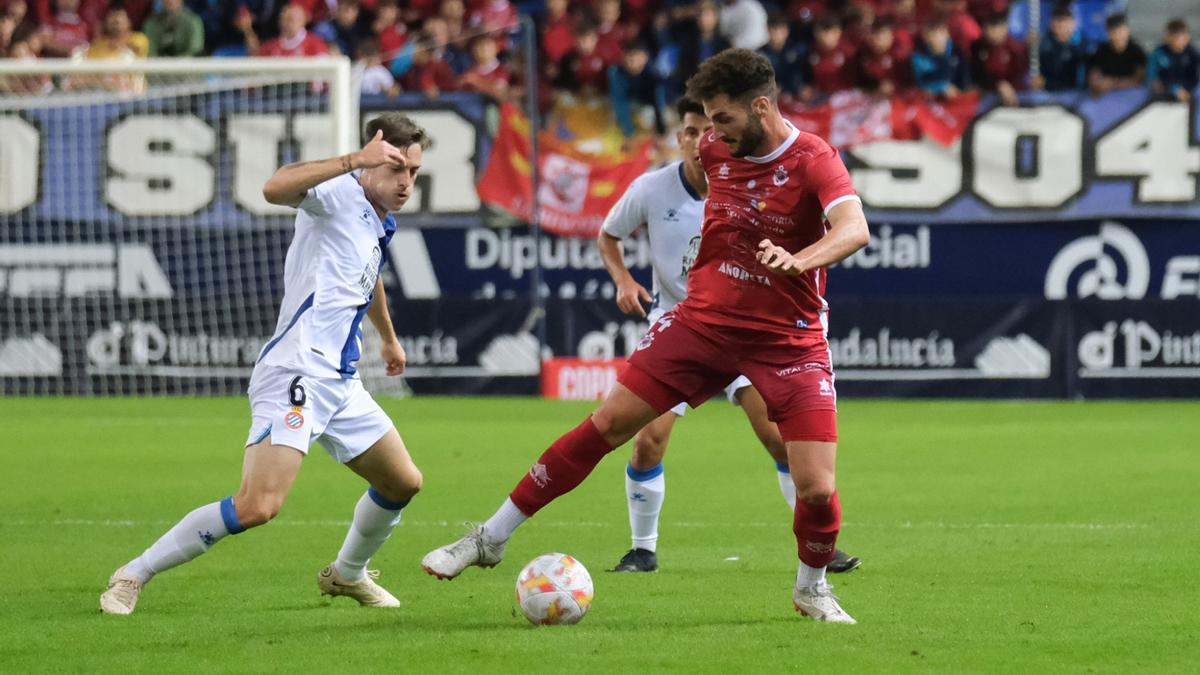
782 467
641 476
229 516
384 502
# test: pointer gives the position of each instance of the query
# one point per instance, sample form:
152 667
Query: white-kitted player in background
305 385
670 203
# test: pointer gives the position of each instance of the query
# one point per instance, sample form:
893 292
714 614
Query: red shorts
678 360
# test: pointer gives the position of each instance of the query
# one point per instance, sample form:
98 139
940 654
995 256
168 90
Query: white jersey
329 276
673 214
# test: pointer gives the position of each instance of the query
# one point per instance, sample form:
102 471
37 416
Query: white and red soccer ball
554 589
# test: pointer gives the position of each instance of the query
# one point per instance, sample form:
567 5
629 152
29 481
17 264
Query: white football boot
122 594
365 590
474 548
819 602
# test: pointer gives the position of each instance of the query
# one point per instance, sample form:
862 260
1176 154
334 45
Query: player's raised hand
629 296
778 259
394 357
379 152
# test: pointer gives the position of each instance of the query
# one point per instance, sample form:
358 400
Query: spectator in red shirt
315 11
67 32
392 32
454 13
444 48
583 71
883 65
964 30
293 39
999 63
557 33
429 73
857 21
488 75
495 16
905 26
830 59
610 34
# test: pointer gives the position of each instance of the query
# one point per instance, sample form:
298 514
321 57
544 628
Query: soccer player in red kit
780 209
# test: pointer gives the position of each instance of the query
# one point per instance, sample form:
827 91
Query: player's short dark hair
368 46
883 23
1115 21
636 45
399 131
1062 12
687 105
995 19
584 25
740 74
1176 26
826 22
775 19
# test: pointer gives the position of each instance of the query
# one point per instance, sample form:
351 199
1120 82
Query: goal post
137 254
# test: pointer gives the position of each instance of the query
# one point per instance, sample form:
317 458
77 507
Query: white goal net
137 254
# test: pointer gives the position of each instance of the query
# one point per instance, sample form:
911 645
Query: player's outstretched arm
291 182
393 351
629 291
847 233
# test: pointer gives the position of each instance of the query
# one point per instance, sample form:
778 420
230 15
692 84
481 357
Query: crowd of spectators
638 53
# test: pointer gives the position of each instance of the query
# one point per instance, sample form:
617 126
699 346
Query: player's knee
254 509
406 486
648 451
814 491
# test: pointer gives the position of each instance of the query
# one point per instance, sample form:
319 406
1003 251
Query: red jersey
992 63
874 69
557 39
492 79
610 43
832 71
392 39
784 197
303 44
69 30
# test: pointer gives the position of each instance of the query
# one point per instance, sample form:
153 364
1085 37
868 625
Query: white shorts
294 410
730 392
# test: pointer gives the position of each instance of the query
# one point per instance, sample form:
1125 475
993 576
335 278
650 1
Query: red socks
816 528
561 467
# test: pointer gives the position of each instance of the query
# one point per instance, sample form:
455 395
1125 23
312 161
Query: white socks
374 519
192 536
807 576
786 486
645 491
504 521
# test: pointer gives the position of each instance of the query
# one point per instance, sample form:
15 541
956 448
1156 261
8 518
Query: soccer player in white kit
670 202
305 385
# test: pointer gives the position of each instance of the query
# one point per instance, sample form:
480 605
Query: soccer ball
554 589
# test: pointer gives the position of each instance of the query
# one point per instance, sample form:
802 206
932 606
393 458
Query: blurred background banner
137 255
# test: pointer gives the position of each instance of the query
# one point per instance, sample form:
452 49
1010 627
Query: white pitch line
782 523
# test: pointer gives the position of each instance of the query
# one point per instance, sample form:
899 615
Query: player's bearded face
751 137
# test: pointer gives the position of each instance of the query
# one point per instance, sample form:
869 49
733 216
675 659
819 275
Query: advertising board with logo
160 270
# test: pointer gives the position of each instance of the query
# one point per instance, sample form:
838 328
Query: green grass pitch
1001 537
